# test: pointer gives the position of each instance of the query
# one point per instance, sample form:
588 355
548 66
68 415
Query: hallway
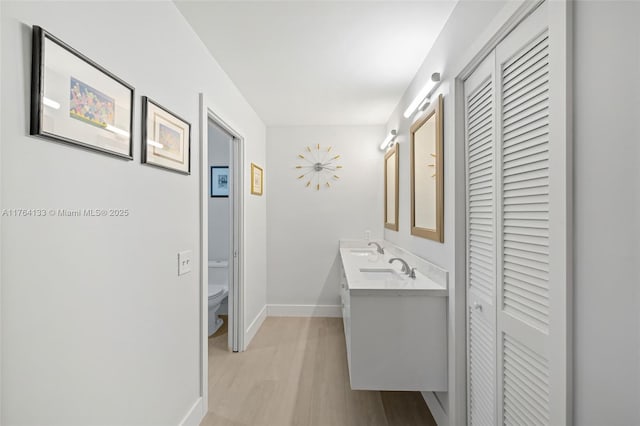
295 373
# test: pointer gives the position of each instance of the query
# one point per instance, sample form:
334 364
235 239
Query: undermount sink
380 274
361 252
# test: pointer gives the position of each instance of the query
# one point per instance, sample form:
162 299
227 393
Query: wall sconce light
422 95
389 139
425 103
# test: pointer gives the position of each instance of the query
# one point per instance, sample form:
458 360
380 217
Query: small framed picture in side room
76 101
219 181
166 138
257 179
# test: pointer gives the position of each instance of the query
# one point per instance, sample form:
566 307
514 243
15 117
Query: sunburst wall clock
320 167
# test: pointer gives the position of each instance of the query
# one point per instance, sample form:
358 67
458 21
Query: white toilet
218 291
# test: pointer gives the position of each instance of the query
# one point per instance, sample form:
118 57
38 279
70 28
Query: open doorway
219 234
221 220
222 167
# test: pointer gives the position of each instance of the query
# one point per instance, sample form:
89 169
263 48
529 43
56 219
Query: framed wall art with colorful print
166 138
76 101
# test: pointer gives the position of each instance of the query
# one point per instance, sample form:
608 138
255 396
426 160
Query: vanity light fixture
117 131
50 103
154 143
388 141
422 95
425 103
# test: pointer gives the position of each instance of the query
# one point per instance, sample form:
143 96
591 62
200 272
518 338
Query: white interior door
235 320
532 248
518 334
480 126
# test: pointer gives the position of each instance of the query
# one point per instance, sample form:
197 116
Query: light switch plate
184 262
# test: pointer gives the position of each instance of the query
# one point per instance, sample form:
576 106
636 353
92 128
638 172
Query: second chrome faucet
411 272
380 249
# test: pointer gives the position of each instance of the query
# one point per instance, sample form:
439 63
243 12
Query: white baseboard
195 414
332 311
255 325
437 411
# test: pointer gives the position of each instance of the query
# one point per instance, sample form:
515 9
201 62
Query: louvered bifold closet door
531 368
480 125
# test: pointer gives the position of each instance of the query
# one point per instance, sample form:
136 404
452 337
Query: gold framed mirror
427 177
391 172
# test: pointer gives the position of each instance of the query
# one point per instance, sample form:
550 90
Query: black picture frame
152 111
215 189
71 126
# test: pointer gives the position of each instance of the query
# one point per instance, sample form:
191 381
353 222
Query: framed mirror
391 167
427 178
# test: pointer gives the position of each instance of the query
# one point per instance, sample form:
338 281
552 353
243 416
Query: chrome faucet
380 249
405 267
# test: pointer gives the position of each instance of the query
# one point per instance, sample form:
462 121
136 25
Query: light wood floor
295 373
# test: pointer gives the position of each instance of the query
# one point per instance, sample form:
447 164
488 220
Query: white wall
219 221
97 328
607 213
304 225
467 30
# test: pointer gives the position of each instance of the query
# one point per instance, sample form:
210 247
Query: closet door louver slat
520 160
480 163
482 367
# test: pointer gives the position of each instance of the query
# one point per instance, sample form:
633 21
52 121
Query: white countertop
360 264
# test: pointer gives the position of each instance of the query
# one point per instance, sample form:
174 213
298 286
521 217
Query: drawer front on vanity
398 343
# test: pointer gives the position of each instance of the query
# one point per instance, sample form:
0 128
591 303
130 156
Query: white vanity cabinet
395 329
346 311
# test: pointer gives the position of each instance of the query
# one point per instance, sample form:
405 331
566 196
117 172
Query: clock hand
304 174
324 158
326 153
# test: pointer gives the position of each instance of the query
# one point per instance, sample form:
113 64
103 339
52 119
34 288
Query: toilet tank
219 272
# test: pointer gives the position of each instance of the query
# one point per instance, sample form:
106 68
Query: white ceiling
319 62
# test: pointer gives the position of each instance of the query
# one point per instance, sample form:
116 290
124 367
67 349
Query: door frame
561 20
236 239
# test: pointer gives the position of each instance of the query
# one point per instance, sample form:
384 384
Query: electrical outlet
184 262
367 235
